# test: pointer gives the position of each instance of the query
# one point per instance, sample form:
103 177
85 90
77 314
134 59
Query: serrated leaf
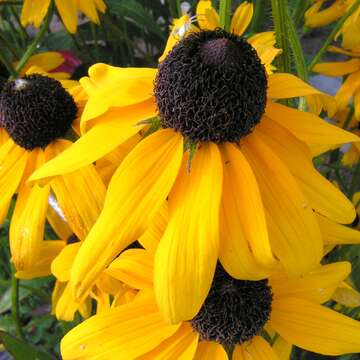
19 349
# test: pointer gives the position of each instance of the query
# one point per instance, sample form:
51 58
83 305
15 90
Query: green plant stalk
38 38
224 11
299 11
8 65
279 9
175 8
332 35
295 45
259 14
23 33
15 304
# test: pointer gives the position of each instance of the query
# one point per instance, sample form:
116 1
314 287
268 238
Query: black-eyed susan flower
317 16
350 89
234 316
34 11
36 113
226 151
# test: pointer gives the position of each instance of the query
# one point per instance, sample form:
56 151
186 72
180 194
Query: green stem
332 35
175 8
23 33
295 45
7 64
259 14
15 304
355 180
299 11
38 38
224 11
279 8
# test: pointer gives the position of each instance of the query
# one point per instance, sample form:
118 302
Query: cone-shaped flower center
234 311
211 87
36 110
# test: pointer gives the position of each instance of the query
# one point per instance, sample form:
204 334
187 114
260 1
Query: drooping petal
12 166
115 334
186 257
111 86
210 350
134 267
282 348
28 222
180 346
241 18
34 11
257 348
308 127
346 295
337 68
284 86
61 265
323 196
314 327
151 237
207 16
68 12
317 286
244 244
147 174
48 251
347 89
336 234
91 146
294 233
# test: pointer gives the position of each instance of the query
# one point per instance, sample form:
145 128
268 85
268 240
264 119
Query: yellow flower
34 11
216 175
316 17
234 314
36 112
350 89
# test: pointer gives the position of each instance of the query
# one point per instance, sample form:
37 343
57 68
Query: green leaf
19 349
135 11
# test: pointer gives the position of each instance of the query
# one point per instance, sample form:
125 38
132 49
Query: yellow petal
308 127
58 224
257 348
336 234
346 295
61 265
180 346
134 267
111 86
186 257
48 61
245 245
80 194
68 12
34 11
116 333
241 18
65 306
284 86
294 233
206 15
314 327
316 286
12 166
48 251
91 146
337 68
282 348
151 237
28 222
347 89
148 174
210 350
357 104
323 196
